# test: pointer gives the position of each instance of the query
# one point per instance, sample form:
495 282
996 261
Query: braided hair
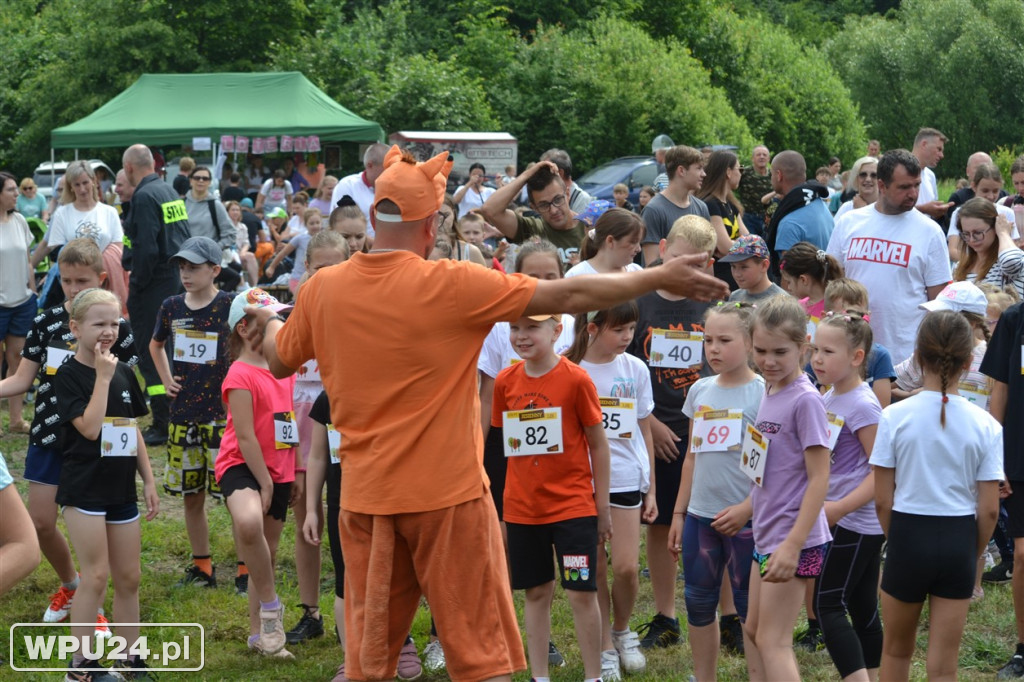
945 342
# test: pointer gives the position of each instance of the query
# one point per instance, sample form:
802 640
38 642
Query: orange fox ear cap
416 188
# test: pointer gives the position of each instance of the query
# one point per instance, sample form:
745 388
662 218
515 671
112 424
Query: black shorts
634 499
930 555
667 476
496 467
239 477
575 545
1014 505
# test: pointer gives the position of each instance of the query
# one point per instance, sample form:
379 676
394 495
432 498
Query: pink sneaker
409 666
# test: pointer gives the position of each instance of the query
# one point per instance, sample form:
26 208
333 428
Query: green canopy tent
172 109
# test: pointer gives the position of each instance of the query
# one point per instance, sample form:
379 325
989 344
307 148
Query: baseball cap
662 142
551 316
416 188
747 246
253 297
246 202
594 210
276 213
199 250
962 297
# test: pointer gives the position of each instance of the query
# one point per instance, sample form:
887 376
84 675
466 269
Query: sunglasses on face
201 178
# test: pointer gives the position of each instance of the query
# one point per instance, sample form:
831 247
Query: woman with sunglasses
864 181
30 204
987 251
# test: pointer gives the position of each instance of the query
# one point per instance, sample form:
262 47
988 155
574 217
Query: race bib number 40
199 348
717 430
119 437
676 349
754 455
618 417
532 432
286 431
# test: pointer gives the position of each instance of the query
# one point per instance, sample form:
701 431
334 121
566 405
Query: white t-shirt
1005 211
101 224
626 377
471 199
274 196
846 208
360 192
497 352
929 187
585 268
937 468
897 257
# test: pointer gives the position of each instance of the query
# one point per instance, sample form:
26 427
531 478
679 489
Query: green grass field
987 643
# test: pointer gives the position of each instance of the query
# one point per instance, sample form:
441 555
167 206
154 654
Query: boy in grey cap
750 258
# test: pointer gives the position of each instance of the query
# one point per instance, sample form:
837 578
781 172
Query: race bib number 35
533 432
754 455
676 349
286 431
119 437
717 430
618 416
199 348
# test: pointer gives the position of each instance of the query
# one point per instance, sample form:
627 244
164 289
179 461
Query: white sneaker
610 666
272 635
627 645
433 657
60 605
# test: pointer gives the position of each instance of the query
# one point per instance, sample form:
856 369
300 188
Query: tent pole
53 174
76 155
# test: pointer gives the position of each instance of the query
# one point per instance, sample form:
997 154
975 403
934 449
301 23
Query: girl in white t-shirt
623 384
611 245
711 520
938 463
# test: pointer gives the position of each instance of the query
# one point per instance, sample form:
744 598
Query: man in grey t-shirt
685 168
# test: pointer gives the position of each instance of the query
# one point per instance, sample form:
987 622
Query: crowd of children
766 440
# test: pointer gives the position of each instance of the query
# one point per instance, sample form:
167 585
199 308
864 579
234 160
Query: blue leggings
706 553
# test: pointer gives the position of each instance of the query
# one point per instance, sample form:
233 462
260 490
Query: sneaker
977 594
628 647
135 670
409 666
662 631
102 625
60 605
308 627
77 674
1002 573
1014 670
154 436
731 634
810 640
610 666
272 637
283 653
197 576
433 657
242 584
340 675
555 657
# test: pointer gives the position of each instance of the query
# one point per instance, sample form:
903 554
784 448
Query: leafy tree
955 65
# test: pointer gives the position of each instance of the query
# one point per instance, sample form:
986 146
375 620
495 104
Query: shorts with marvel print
575 546
808 566
191 452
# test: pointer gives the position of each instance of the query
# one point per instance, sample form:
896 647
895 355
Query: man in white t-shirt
928 147
898 253
359 186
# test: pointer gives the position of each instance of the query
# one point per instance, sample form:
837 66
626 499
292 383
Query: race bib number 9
55 357
119 437
677 349
532 432
717 430
286 431
334 443
835 425
618 417
199 348
174 211
754 455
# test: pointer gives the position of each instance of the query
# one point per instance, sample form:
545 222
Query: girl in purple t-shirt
790 531
849 578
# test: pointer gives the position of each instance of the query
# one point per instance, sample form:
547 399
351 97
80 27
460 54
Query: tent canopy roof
171 109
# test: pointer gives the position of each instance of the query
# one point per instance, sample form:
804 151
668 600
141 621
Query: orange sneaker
102 625
60 606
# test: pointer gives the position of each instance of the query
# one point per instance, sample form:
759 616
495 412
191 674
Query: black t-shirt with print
321 414
88 479
50 339
730 218
199 400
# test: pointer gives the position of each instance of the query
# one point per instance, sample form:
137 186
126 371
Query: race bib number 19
199 348
533 432
755 454
717 430
676 349
119 437
618 417
286 431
